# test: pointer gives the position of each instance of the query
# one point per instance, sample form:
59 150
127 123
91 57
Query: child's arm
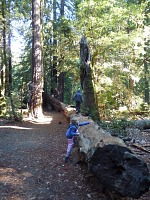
83 123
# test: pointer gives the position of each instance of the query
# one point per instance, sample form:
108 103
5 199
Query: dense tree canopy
117 33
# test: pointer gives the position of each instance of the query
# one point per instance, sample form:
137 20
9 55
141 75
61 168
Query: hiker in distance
78 99
71 134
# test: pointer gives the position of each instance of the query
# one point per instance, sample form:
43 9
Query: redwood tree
3 58
61 75
37 67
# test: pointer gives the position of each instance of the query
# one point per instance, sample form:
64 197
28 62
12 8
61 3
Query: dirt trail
32 165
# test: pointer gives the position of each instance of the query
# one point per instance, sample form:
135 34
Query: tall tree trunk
5 65
3 60
61 75
147 79
37 72
6 75
61 87
10 74
89 99
33 59
14 113
146 59
54 70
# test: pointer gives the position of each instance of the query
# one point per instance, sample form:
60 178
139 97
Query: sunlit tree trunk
37 67
9 87
3 60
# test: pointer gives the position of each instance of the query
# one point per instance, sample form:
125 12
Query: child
71 133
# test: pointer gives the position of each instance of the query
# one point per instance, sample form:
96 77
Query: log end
120 171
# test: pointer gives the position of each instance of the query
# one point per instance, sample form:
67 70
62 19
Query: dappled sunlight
43 119
10 176
15 127
123 108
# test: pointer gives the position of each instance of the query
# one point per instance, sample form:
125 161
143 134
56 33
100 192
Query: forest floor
32 163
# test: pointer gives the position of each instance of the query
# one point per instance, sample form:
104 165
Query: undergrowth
116 126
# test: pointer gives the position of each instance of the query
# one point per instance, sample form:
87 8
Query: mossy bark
89 98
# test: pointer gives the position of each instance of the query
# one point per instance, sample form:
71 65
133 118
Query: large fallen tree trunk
118 169
61 107
142 124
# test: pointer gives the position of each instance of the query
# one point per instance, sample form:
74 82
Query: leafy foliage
118 37
115 31
117 126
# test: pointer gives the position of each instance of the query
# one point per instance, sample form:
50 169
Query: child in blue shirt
71 133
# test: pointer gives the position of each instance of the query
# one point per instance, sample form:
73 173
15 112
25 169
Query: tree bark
54 62
142 124
37 67
146 60
89 100
61 107
3 61
61 76
118 169
9 87
61 87
146 79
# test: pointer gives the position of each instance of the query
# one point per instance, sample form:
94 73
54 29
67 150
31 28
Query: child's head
74 121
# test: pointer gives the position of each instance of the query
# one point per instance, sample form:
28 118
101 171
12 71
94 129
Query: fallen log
146 145
142 124
117 168
140 147
61 107
139 112
56 104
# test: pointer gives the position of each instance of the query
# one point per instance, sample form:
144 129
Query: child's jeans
70 146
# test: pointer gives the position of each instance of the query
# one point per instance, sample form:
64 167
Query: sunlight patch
10 176
42 120
15 127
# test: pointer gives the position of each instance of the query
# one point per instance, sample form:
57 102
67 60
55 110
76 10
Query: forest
49 50
53 47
